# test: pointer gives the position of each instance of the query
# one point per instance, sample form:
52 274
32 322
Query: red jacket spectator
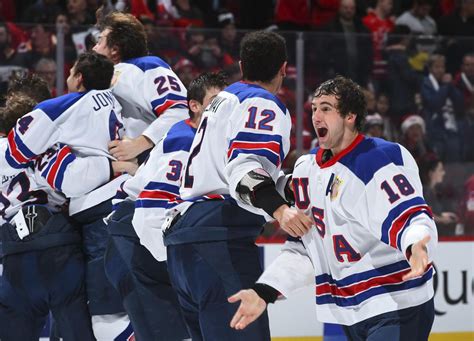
323 11
293 13
379 23
467 207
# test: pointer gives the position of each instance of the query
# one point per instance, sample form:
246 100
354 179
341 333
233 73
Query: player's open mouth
322 132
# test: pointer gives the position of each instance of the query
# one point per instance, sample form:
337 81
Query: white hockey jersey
244 128
152 96
35 185
368 207
85 121
155 184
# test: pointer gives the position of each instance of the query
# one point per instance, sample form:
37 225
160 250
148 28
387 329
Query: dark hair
198 86
261 55
349 95
423 2
428 163
32 86
398 34
17 105
434 58
96 70
126 33
3 126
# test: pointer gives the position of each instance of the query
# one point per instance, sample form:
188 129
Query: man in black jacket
348 51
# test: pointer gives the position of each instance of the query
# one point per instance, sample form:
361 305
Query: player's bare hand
418 259
129 167
127 149
292 221
251 307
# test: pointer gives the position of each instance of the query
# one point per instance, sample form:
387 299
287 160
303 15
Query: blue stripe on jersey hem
269 155
171 97
53 108
147 63
395 213
362 276
153 185
245 91
149 203
384 289
253 137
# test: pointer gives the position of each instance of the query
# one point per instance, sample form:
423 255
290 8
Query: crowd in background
415 60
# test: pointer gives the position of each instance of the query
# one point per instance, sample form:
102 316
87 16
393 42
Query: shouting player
374 237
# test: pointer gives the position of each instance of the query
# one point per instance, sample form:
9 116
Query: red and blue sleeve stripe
357 288
54 172
399 218
268 146
168 101
157 195
18 155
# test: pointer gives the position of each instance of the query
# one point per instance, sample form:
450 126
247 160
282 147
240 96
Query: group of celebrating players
130 206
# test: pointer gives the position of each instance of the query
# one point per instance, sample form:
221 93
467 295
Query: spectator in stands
46 69
432 174
464 80
181 13
70 54
161 40
10 60
414 136
79 15
459 27
42 45
466 210
44 11
466 132
402 81
374 126
458 23
382 108
293 14
379 22
186 71
370 100
348 51
205 52
323 12
228 36
418 18
442 108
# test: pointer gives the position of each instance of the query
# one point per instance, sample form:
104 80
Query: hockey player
229 184
374 237
43 263
152 95
86 120
150 301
